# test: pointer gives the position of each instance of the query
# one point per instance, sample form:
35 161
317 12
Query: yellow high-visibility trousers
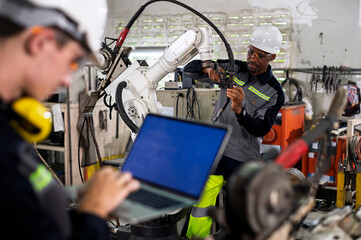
199 223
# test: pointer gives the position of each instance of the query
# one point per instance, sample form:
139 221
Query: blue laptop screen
174 153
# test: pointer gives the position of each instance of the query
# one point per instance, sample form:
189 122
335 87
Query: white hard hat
267 37
84 20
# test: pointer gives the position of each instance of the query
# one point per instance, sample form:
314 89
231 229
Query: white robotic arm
139 94
183 49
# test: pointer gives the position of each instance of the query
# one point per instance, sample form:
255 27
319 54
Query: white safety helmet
83 20
268 38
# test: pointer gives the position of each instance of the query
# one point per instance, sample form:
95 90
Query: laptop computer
172 158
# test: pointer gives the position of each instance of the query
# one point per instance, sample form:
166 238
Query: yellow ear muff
32 120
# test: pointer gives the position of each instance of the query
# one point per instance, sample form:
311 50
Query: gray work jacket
264 98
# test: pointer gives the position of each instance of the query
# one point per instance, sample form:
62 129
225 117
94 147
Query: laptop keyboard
152 199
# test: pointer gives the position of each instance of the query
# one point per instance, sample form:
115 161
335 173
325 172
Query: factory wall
319 33
324 32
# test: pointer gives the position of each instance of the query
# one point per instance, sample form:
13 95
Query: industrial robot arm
134 90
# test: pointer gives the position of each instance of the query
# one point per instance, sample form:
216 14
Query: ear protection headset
30 119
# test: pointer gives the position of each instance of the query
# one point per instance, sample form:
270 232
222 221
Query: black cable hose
81 132
298 97
141 9
124 116
108 105
222 109
228 48
102 94
79 165
352 150
191 97
176 109
121 110
199 109
190 113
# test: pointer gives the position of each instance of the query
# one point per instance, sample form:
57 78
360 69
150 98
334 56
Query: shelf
50 148
67 153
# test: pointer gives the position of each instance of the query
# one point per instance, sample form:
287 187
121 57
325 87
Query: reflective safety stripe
40 178
200 224
199 212
239 82
258 93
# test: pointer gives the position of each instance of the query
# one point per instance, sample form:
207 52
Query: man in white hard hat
255 102
41 43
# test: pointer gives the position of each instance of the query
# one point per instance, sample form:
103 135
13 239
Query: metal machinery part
340 223
262 203
105 57
132 112
179 52
296 176
139 82
260 199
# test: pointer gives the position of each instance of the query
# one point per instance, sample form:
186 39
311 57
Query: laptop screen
175 154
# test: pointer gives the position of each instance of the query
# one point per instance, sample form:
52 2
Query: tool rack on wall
323 72
343 175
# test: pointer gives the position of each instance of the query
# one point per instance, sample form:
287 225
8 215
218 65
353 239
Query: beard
253 67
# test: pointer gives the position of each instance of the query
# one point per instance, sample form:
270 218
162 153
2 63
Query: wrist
93 209
238 111
206 64
242 113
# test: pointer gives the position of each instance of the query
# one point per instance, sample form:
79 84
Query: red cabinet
290 125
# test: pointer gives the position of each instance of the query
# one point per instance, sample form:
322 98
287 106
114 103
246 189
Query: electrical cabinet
180 102
289 125
309 160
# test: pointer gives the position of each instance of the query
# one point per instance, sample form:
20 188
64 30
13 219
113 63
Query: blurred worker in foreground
255 102
41 44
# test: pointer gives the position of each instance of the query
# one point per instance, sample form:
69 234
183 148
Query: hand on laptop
106 190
